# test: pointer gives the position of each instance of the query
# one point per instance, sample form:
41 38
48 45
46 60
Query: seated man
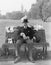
25 33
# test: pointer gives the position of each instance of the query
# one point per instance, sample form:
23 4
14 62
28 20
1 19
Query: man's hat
24 19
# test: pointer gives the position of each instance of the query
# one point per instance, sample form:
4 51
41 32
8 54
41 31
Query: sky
15 5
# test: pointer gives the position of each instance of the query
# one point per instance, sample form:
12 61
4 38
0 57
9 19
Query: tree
34 12
15 15
43 9
40 10
29 15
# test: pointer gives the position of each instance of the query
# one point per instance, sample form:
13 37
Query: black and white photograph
25 32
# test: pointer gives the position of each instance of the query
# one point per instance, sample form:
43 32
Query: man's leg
30 46
17 46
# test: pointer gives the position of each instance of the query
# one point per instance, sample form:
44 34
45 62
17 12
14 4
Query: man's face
25 25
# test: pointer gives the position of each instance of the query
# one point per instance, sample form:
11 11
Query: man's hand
34 38
24 36
28 37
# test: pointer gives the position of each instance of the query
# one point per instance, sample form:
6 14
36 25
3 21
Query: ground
45 62
47 27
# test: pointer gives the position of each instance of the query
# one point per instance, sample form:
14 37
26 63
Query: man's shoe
17 60
32 60
16 57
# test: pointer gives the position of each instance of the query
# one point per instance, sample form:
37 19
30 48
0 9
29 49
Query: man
25 35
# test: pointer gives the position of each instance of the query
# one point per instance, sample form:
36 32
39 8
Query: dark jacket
28 32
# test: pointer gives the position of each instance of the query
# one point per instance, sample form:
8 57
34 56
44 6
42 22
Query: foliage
40 10
12 15
15 15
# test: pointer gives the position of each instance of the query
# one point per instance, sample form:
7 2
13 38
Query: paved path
10 61
47 62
